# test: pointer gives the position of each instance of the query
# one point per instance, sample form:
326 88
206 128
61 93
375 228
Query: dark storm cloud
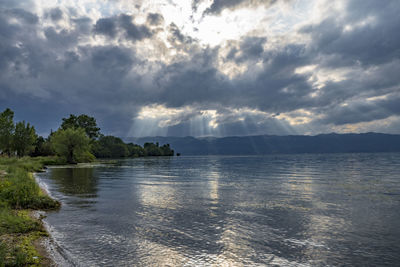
373 41
218 6
106 26
177 37
251 48
133 31
16 4
55 14
155 19
25 16
371 45
195 80
63 38
122 24
112 82
16 54
83 25
45 69
276 87
111 60
364 111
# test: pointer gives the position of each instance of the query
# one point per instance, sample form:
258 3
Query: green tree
152 149
24 138
166 150
6 131
135 150
43 147
72 144
82 121
110 147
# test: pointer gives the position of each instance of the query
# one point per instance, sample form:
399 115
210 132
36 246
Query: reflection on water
75 181
230 211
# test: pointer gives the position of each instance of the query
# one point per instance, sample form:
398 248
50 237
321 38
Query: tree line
78 139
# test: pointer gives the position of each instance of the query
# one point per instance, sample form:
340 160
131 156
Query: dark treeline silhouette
114 147
78 139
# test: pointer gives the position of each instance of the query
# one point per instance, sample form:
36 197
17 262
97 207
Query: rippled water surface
311 210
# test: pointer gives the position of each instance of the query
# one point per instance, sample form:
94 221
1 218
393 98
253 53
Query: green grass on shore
19 195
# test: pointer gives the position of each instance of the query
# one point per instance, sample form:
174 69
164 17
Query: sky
203 67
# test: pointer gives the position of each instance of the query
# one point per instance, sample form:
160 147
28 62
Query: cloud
122 24
364 35
111 61
251 48
133 32
25 16
55 14
155 19
336 71
106 26
218 6
364 110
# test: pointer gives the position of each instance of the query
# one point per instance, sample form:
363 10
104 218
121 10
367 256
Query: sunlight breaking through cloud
158 119
203 67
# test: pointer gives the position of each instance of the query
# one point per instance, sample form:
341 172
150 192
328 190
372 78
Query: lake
282 210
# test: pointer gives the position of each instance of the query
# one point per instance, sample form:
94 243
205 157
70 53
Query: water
285 210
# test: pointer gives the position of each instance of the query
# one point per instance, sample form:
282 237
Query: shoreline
21 199
39 244
49 251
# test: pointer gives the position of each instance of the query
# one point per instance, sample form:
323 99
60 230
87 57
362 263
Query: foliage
82 121
6 130
18 190
152 149
110 147
24 138
85 156
75 141
42 147
166 150
72 144
135 150
114 147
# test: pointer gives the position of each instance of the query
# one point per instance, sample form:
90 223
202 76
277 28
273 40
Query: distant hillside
271 144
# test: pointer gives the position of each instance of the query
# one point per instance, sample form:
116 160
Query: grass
19 195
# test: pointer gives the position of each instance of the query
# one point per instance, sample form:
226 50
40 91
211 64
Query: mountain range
273 144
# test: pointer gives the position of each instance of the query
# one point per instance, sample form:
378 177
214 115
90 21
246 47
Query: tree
110 147
135 150
151 149
24 138
42 147
82 121
166 150
6 130
72 144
